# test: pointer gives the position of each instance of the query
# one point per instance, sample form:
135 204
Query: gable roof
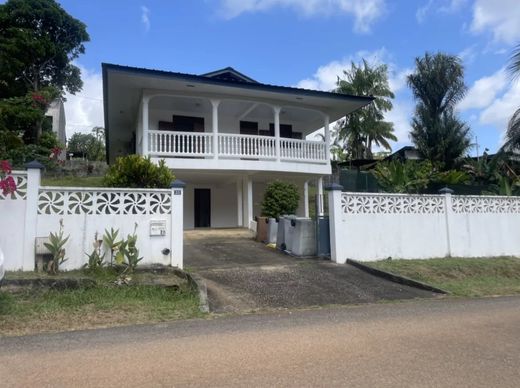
229 74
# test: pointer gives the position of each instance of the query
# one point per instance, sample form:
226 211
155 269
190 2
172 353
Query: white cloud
84 110
365 12
145 17
499 18
422 11
326 76
445 6
484 91
501 109
469 54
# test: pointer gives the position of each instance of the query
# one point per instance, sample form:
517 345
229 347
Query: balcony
237 152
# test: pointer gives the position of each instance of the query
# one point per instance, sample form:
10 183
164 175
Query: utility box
303 241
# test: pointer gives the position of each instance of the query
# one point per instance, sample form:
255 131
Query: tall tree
437 85
512 141
366 127
38 42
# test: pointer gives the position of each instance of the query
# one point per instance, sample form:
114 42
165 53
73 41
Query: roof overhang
123 87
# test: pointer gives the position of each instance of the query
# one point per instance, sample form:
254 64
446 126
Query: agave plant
56 247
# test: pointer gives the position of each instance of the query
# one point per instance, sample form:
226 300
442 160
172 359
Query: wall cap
177 183
34 165
333 187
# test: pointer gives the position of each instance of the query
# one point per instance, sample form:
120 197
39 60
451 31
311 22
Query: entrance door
202 208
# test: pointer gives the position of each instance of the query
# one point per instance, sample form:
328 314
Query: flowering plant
7 183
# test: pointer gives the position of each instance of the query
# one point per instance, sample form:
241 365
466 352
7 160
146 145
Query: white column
214 124
326 126
145 104
240 204
249 183
31 214
277 111
319 201
335 220
177 224
306 199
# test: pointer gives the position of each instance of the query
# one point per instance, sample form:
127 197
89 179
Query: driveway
243 275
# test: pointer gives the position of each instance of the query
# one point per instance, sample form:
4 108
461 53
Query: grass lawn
86 181
43 310
461 277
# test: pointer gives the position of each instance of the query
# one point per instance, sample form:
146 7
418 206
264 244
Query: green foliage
407 177
95 258
88 145
110 240
366 126
39 41
12 148
437 85
414 177
56 247
136 171
127 252
280 198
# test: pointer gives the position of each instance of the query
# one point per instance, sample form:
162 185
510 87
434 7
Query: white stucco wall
12 223
377 226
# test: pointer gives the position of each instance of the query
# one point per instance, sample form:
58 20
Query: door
202 208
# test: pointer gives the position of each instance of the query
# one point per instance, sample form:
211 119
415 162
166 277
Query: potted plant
280 198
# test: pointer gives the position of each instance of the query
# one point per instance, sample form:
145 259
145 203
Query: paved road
427 343
243 275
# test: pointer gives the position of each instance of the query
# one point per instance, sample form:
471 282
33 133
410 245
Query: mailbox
158 228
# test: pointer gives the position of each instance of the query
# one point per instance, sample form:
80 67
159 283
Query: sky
307 43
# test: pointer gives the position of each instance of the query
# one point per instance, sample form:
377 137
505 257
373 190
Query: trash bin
323 236
303 239
272 230
261 229
282 236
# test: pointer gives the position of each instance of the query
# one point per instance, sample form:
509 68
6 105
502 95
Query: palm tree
512 142
362 129
437 85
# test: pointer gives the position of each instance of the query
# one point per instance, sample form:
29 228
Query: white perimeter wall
12 222
378 226
34 212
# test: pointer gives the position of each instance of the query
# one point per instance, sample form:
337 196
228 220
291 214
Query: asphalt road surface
425 343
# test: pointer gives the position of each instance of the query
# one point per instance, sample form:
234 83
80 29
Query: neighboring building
55 117
223 133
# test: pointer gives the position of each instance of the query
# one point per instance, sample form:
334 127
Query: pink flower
8 185
5 166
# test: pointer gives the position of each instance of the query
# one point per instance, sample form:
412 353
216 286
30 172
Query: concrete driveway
243 275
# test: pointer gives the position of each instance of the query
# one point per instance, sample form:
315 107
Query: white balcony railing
234 146
304 150
168 143
246 146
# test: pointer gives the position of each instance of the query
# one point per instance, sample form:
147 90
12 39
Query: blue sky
306 43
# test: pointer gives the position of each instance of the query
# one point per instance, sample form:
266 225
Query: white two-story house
222 133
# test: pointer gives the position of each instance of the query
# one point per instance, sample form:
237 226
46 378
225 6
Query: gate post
335 220
31 214
177 224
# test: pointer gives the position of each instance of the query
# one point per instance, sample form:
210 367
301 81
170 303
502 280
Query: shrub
136 171
280 198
